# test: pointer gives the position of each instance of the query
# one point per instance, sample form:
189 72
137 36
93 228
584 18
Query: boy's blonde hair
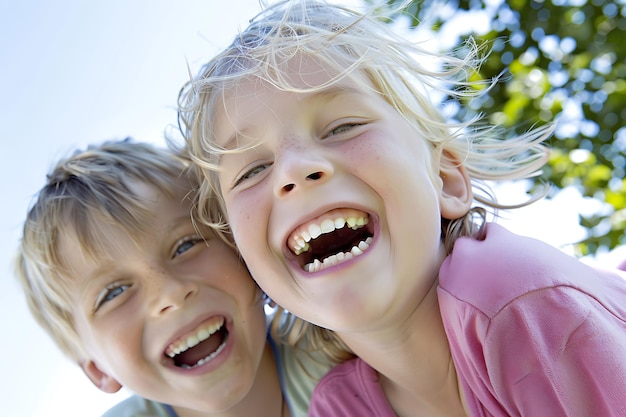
82 196
402 72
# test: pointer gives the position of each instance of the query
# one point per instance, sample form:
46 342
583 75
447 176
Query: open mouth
331 239
200 345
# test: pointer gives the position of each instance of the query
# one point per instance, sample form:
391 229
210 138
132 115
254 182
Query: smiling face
337 207
170 316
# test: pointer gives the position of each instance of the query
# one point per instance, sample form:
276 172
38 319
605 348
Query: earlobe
456 190
100 379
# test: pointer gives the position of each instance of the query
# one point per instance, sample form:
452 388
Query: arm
558 352
350 389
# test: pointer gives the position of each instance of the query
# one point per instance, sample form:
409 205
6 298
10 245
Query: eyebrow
178 223
332 92
92 283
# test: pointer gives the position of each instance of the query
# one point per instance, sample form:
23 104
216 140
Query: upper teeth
299 240
199 334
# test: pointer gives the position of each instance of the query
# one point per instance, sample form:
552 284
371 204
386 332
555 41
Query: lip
214 363
291 258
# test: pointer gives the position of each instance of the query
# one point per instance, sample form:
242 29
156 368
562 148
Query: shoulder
351 388
350 373
516 309
504 267
135 406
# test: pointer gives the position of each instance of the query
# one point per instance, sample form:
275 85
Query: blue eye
343 128
185 244
109 293
251 173
114 292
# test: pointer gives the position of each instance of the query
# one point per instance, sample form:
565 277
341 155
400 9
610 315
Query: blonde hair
80 192
348 42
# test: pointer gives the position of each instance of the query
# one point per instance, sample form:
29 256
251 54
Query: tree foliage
566 61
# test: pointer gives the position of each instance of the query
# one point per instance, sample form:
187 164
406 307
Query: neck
413 359
265 398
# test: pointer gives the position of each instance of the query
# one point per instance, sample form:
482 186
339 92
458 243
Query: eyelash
250 173
111 289
184 243
342 128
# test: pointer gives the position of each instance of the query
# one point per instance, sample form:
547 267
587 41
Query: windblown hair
83 195
404 73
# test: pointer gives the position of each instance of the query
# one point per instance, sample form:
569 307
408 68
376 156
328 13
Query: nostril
292 185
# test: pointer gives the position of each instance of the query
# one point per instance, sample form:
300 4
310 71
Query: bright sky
74 73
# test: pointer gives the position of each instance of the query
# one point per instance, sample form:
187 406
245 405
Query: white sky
78 72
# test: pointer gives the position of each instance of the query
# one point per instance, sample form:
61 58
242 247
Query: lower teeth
316 265
205 360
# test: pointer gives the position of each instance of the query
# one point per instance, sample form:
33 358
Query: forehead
103 243
304 73
302 79
97 233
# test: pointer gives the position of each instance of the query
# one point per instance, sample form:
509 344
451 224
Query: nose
300 169
169 293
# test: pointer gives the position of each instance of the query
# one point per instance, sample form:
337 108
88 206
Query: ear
456 189
100 379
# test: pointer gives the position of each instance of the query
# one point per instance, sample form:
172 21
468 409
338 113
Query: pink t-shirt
533 332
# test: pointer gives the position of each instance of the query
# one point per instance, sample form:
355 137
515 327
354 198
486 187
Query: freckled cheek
247 207
362 151
362 155
247 218
372 163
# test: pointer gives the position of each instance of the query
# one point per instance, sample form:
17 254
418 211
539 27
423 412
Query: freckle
292 142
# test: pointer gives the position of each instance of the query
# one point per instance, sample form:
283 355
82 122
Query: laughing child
358 205
128 286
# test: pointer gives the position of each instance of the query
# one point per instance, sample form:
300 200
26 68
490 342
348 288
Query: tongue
203 349
341 240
